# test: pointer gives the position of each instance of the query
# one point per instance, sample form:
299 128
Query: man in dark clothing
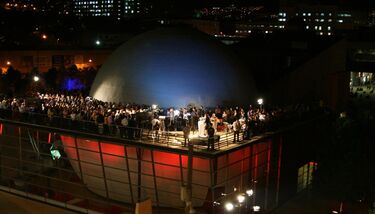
186 131
236 128
132 124
211 138
156 130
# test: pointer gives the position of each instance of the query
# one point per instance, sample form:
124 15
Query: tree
346 169
50 78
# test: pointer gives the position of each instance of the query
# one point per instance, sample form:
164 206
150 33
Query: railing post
103 168
129 176
189 207
155 184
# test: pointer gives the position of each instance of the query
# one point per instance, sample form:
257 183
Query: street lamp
36 78
240 198
229 206
256 208
260 102
249 192
8 63
97 42
44 36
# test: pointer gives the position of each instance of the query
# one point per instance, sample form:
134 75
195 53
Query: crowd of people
129 120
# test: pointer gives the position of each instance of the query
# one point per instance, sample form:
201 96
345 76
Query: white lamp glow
256 208
229 206
36 78
240 198
249 192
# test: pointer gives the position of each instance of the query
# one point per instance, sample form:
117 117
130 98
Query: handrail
134 134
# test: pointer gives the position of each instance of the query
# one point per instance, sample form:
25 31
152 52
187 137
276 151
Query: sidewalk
13 204
318 204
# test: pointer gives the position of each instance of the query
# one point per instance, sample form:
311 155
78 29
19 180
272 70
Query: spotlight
154 106
260 101
256 208
240 198
97 42
229 206
249 192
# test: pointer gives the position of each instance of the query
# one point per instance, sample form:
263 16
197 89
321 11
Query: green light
55 153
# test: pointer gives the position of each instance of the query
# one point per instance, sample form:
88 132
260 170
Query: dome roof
173 67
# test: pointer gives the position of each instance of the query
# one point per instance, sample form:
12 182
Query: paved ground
319 204
13 204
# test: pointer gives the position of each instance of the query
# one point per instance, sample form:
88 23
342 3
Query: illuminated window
329 27
340 21
305 176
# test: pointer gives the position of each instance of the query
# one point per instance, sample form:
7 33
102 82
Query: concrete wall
324 77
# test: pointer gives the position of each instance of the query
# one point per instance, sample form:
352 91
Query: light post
36 78
241 202
260 102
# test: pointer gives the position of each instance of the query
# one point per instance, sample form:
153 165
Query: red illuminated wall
120 164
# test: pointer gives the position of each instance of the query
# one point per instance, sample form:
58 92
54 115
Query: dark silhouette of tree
11 80
345 169
50 78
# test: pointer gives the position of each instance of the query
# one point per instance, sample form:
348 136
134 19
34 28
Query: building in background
43 60
323 19
117 9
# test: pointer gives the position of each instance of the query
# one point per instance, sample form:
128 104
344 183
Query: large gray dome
173 67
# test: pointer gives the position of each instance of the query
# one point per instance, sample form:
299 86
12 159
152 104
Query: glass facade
111 177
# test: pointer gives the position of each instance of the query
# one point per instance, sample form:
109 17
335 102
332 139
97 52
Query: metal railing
174 139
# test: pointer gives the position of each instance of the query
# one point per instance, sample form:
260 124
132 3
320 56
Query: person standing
124 126
156 130
236 129
211 138
186 131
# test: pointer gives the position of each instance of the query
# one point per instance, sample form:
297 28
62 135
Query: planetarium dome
173 67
